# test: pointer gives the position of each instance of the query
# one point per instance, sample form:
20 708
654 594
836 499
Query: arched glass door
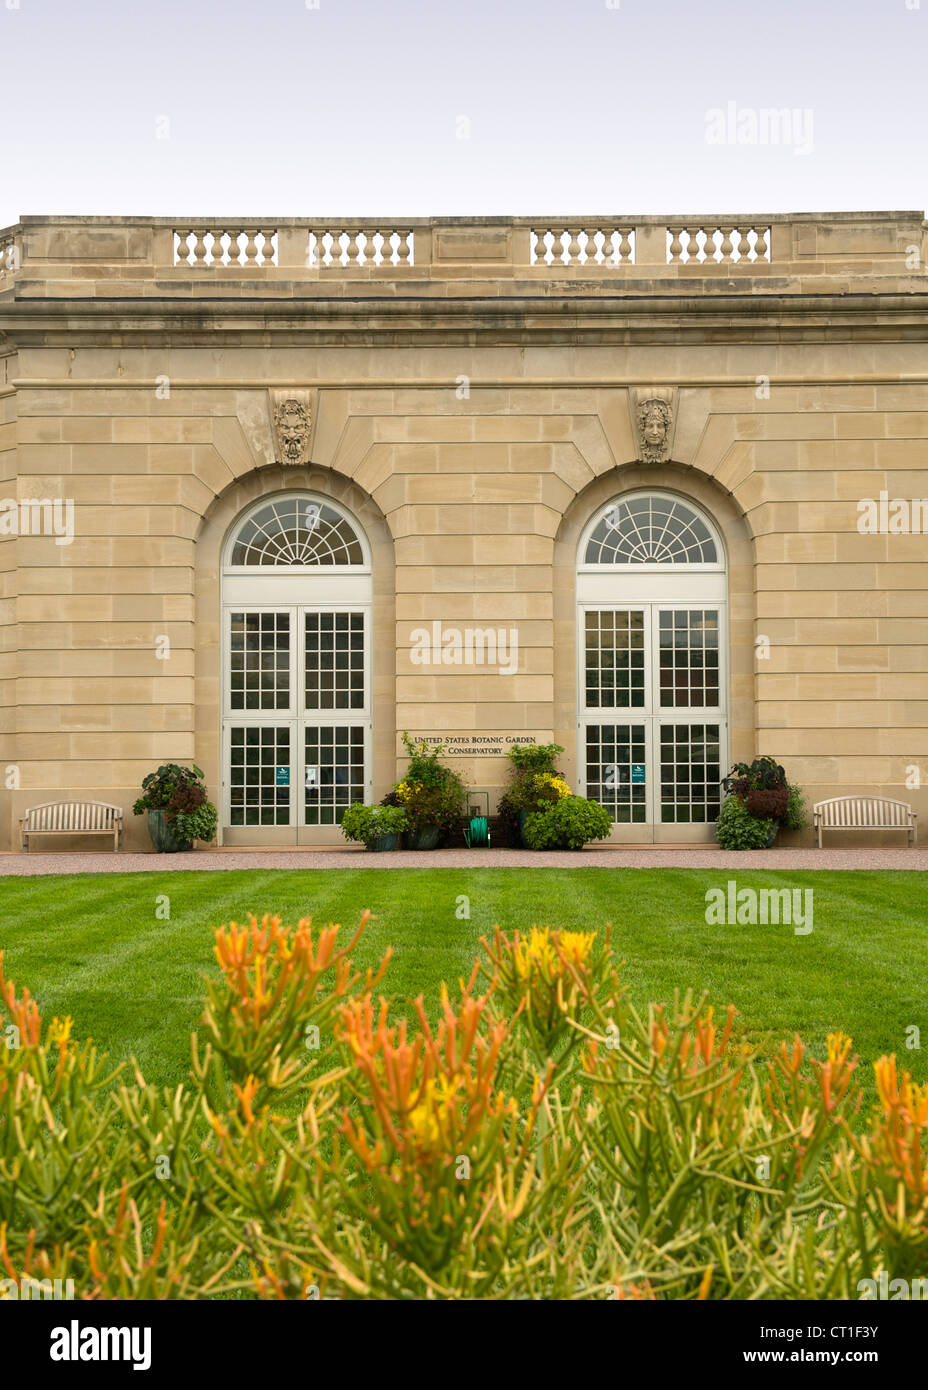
653 670
296 633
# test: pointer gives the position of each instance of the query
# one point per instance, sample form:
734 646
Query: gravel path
672 857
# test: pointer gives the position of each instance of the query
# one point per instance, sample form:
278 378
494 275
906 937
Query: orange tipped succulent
430 1096
834 1075
635 1292
263 961
448 1160
898 1141
24 1012
272 993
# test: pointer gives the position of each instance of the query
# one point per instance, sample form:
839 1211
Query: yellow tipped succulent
543 956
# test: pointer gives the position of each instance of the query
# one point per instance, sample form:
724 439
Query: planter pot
772 836
163 837
426 837
382 844
523 817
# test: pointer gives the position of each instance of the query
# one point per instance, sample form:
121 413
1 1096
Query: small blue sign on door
283 777
638 773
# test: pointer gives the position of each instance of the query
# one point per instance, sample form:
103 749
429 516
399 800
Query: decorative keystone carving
293 413
653 421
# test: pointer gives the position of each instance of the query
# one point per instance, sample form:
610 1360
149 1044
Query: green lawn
91 945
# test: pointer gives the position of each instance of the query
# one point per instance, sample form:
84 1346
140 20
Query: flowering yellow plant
549 977
549 787
539 956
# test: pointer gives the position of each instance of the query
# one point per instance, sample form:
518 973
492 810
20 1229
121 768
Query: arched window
652 659
297 601
296 531
651 528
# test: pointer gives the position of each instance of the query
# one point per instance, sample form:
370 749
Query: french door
296 720
652 744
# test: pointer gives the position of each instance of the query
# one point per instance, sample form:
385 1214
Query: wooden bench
72 818
864 813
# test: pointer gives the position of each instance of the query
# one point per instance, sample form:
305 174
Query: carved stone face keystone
654 419
293 428
293 414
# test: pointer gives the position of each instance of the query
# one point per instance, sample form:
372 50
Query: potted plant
759 800
433 796
378 828
568 823
178 809
534 784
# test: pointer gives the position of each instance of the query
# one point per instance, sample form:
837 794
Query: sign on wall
476 745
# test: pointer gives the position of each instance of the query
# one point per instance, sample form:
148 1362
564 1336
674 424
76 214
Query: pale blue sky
271 108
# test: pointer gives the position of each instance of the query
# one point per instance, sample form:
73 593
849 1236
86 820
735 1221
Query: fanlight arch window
652 676
297 612
651 528
297 531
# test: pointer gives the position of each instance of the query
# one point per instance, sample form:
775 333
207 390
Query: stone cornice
542 319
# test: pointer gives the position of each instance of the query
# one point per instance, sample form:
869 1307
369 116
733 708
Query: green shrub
736 828
795 817
430 793
534 784
569 823
369 823
535 757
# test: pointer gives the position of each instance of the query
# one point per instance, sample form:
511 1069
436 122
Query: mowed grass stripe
91 945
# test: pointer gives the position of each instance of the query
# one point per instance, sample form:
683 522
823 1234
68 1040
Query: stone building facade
274 492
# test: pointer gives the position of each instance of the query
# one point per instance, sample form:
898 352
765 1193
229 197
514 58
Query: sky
306 108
